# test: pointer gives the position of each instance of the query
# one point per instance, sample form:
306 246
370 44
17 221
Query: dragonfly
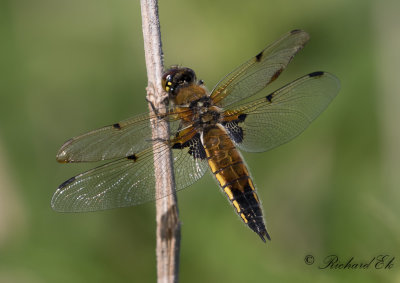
207 130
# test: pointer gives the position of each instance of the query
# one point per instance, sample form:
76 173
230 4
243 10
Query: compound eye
167 82
187 77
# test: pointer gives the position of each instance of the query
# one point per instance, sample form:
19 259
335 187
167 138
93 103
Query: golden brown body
229 169
201 117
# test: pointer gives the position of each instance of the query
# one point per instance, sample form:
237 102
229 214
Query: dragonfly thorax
204 113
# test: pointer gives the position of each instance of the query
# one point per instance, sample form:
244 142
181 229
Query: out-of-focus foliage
67 67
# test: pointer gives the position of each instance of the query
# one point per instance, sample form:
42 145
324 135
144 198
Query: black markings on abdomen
251 210
247 201
230 183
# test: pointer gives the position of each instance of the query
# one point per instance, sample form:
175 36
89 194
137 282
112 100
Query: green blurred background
67 67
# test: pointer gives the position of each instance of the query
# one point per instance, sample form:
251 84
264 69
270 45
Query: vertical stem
168 225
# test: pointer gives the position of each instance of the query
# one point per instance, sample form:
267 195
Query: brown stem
168 224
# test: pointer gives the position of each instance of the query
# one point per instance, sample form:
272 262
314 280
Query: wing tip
62 155
319 74
294 31
301 32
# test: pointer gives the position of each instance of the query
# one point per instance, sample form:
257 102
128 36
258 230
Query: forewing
118 140
282 115
251 77
128 181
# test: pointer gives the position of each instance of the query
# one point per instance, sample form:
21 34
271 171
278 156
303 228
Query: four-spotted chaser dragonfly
206 131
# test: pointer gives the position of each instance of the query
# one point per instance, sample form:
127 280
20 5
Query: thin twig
168 225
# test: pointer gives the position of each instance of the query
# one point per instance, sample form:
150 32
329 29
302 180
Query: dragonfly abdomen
229 169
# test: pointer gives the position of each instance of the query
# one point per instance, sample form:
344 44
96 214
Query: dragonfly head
175 78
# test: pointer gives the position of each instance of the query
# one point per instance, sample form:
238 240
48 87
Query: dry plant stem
168 225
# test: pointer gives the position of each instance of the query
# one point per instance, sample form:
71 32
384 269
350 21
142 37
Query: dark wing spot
295 31
66 183
269 97
276 75
117 126
316 74
259 56
132 157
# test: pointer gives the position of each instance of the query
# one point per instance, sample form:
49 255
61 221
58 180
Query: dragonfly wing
114 141
282 115
255 74
130 180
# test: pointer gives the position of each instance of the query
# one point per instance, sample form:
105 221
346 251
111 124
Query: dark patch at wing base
196 148
234 130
